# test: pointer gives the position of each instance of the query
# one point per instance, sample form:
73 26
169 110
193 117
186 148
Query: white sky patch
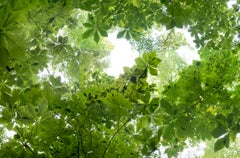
9 134
46 72
193 151
121 55
189 53
230 3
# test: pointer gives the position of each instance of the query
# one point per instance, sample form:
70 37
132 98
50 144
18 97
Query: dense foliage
95 115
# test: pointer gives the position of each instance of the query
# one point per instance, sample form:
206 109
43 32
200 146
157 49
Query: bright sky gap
124 55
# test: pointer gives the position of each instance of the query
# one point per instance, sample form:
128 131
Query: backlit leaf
136 3
153 71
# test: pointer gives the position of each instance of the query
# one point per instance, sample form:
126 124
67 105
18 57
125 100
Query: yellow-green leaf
137 3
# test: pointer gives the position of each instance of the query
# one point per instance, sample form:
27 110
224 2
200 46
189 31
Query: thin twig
111 140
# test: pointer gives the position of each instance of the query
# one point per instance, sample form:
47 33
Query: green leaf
146 98
103 33
218 131
167 107
168 132
42 106
96 37
30 110
121 34
143 122
219 144
4 58
128 35
145 57
137 3
87 25
46 117
171 24
146 133
154 104
140 63
152 55
153 71
87 33
154 62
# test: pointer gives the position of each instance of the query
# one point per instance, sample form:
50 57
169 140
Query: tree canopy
96 115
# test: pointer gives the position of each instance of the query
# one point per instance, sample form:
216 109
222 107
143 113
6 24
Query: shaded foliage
96 115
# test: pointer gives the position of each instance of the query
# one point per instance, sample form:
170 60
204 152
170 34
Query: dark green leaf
128 35
121 34
219 144
103 33
4 58
147 133
167 107
168 133
87 25
96 37
218 131
154 104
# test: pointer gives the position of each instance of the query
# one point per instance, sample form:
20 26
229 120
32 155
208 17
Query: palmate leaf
11 37
15 45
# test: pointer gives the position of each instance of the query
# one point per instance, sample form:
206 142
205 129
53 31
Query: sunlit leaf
140 63
136 3
153 71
